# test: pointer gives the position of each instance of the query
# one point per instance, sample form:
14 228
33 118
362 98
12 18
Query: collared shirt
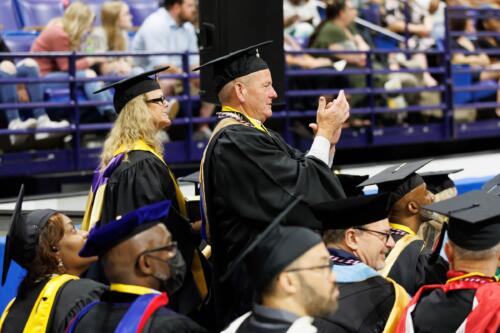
160 33
274 314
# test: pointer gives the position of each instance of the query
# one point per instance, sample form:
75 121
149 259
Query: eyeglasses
171 247
386 235
160 100
312 268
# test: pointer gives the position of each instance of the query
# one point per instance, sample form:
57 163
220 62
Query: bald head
123 263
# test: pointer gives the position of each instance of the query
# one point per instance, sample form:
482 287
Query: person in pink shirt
64 34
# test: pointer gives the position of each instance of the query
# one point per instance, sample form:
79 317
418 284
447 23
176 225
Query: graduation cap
107 236
191 178
274 249
398 179
474 219
131 87
236 64
353 211
438 181
492 186
350 184
22 239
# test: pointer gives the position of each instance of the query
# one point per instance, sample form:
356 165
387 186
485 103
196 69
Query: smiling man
358 237
249 172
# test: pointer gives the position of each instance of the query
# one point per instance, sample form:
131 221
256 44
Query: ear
351 240
240 90
144 265
287 283
413 207
448 250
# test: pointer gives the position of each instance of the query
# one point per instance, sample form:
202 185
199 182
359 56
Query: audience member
32 92
66 33
300 18
170 30
46 244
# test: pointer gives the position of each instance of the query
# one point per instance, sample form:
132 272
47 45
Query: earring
60 265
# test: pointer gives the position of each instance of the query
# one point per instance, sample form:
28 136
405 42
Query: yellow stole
40 313
222 124
401 300
395 252
131 289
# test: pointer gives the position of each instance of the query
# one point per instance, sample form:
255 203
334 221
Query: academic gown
366 301
412 268
106 315
470 303
70 299
249 177
144 179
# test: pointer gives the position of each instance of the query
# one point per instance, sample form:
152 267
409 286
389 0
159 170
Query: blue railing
189 151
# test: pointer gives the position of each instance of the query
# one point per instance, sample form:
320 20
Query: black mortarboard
474 219
131 87
350 184
107 236
236 64
22 240
274 249
438 181
492 186
398 179
353 211
191 178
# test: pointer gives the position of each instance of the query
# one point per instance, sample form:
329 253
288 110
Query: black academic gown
70 299
363 307
105 317
413 269
250 176
144 179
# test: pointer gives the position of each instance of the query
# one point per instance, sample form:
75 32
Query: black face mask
173 283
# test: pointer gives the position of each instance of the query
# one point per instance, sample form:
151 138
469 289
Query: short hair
334 236
170 3
464 254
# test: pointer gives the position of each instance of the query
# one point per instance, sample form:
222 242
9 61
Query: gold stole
401 300
222 124
40 313
395 252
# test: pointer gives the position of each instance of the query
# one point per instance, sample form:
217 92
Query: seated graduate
442 187
46 244
142 263
292 275
469 300
249 173
357 235
409 262
133 173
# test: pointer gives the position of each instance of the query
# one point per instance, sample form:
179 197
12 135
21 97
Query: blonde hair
110 13
135 122
77 18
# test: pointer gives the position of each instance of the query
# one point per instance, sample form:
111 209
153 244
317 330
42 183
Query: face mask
428 215
175 281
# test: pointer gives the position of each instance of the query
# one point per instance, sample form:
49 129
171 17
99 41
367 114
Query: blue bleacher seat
19 41
9 18
466 79
140 9
37 13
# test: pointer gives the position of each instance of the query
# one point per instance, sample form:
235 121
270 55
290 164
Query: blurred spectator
66 33
480 60
13 93
169 29
300 18
491 24
112 36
